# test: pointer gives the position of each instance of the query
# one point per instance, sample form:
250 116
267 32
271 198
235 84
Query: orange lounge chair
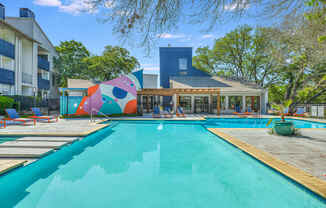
286 112
13 116
179 112
38 115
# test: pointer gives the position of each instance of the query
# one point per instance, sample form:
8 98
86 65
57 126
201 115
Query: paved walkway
306 152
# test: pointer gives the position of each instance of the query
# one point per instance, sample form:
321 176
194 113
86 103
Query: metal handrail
91 119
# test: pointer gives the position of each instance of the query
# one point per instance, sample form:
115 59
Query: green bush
6 102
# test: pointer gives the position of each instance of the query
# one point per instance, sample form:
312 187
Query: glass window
185 103
235 103
7 63
222 102
182 63
45 75
5 89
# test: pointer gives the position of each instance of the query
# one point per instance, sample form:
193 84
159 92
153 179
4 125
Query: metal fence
25 103
314 110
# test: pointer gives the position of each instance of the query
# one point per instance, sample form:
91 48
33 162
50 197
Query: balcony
7 76
43 64
43 83
7 49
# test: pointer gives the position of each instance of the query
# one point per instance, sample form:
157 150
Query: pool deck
64 127
35 142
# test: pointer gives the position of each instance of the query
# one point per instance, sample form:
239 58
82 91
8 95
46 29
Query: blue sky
62 20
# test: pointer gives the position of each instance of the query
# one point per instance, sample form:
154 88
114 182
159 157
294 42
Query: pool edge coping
307 180
59 134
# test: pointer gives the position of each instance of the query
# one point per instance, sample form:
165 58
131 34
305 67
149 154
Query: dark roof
199 81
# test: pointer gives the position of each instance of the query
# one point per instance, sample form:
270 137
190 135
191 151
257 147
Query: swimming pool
148 164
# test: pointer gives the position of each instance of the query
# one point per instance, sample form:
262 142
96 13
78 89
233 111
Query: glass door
201 104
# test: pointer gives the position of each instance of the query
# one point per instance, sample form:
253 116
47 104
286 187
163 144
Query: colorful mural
111 97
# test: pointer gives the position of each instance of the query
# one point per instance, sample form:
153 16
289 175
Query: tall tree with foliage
147 19
113 62
243 53
70 62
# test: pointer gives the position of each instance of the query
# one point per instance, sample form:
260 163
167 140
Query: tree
243 53
70 61
113 62
147 19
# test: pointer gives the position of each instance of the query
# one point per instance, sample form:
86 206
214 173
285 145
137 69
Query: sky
63 20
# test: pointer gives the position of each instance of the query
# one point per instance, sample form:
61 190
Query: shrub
6 102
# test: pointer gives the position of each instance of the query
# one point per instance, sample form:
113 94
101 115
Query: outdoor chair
156 112
180 112
13 116
38 115
300 112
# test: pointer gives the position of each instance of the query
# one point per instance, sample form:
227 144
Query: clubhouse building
195 91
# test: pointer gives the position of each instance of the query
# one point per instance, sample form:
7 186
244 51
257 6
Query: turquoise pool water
146 165
257 123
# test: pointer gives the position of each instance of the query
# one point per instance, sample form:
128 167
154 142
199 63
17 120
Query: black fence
25 103
314 110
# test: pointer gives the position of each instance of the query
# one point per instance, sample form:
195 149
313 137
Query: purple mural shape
124 83
95 102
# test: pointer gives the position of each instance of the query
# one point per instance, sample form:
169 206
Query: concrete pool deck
34 142
64 127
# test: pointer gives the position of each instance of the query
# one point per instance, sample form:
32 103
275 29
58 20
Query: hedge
6 102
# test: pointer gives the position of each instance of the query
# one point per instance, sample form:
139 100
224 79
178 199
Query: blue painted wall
7 76
169 64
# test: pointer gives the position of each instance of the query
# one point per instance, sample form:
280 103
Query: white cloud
237 6
170 36
50 3
207 36
70 6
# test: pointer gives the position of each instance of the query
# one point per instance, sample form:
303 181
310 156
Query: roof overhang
173 91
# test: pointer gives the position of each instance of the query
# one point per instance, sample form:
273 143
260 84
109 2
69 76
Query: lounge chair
179 112
167 113
248 112
13 116
286 112
156 112
38 115
238 112
300 112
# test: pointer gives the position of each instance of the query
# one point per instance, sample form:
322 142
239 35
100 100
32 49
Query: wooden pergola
181 91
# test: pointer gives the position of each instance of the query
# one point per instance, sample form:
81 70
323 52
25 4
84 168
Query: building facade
198 92
26 57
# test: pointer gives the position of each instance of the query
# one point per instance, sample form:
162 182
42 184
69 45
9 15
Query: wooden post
218 103
252 103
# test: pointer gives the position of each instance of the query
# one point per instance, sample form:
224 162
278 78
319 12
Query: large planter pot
285 128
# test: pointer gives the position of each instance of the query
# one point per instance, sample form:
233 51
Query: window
185 103
182 64
5 89
45 75
7 63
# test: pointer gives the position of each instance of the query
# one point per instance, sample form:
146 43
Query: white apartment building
26 56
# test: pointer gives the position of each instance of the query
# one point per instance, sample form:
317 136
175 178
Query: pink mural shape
124 83
94 101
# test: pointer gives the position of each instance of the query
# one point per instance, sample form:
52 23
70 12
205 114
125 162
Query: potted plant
283 127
